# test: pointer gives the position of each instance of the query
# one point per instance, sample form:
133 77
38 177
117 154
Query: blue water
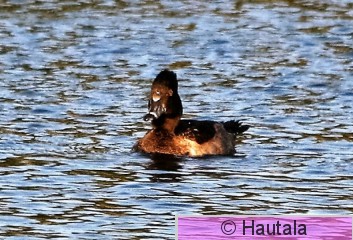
74 80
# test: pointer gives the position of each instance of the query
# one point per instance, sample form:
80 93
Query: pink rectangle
264 227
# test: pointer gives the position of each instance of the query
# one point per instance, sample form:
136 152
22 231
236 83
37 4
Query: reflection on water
165 168
74 77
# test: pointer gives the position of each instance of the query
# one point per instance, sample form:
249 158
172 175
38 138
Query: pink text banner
264 227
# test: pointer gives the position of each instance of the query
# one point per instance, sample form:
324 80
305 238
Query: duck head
164 104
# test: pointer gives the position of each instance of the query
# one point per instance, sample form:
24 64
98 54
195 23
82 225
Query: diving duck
183 137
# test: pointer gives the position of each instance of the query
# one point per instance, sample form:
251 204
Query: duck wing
199 131
203 131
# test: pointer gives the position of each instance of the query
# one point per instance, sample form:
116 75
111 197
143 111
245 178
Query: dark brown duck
172 135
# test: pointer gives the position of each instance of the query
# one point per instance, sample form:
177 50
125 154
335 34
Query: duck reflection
168 167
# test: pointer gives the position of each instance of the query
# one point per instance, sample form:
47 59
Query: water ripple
75 78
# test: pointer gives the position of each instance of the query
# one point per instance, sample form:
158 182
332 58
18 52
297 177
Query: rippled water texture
74 77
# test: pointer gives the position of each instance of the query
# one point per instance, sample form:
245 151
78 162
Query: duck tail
235 127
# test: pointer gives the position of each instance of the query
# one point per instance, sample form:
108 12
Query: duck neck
166 123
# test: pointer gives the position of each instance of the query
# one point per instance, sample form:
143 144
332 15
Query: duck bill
155 110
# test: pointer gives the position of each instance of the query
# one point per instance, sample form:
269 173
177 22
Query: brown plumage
171 135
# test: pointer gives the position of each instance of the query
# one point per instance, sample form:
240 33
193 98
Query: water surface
74 79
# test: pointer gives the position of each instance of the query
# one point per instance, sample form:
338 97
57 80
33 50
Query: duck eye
156 96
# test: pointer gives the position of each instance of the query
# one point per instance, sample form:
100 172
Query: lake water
74 81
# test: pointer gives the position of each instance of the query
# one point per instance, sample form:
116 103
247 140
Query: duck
172 135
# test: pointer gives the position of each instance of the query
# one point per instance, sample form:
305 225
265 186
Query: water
74 79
